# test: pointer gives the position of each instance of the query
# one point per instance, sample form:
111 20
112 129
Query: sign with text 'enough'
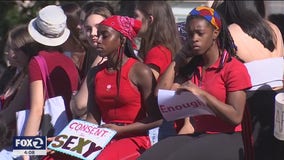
82 139
177 106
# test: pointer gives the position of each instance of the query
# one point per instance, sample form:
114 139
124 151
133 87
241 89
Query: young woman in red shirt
209 70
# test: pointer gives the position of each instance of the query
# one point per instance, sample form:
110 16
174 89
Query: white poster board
176 106
54 107
266 72
279 117
82 139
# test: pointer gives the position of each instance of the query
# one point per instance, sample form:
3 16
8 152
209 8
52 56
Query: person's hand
49 151
191 87
188 86
26 157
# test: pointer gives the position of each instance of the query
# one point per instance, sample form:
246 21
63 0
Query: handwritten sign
82 139
176 106
279 117
266 72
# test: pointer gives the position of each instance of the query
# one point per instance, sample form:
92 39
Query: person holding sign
208 70
123 91
120 93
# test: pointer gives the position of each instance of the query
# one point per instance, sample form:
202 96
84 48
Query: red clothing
125 108
126 148
123 149
233 77
159 56
63 74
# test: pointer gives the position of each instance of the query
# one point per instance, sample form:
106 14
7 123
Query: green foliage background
13 13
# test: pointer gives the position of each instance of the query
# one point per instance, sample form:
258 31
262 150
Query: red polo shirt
232 77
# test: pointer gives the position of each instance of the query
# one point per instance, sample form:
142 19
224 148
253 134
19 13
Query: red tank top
122 108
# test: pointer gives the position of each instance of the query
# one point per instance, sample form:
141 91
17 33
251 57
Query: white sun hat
49 27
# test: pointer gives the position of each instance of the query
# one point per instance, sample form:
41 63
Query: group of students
105 76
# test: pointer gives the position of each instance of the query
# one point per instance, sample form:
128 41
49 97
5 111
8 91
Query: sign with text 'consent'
82 139
176 106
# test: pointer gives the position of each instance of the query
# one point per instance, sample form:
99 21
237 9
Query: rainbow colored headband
209 14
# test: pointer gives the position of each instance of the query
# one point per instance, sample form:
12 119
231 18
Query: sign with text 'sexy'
82 139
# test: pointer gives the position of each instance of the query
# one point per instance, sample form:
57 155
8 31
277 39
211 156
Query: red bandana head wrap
209 14
127 26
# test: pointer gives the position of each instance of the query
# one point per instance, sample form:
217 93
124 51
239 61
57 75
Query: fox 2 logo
29 142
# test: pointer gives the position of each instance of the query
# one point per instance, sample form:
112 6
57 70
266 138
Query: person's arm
167 80
231 111
155 73
142 77
78 103
36 111
279 49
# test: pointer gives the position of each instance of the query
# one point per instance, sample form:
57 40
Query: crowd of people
108 68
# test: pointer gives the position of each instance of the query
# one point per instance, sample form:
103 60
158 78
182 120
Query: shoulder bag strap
45 76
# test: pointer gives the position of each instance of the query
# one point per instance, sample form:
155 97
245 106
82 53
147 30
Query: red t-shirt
233 77
63 74
159 56
126 108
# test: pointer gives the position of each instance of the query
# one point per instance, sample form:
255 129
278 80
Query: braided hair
225 41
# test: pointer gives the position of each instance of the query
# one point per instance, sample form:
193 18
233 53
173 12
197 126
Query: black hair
277 19
225 41
249 16
72 11
128 49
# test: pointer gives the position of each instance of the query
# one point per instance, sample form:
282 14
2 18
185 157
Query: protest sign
82 139
176 106
266 73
